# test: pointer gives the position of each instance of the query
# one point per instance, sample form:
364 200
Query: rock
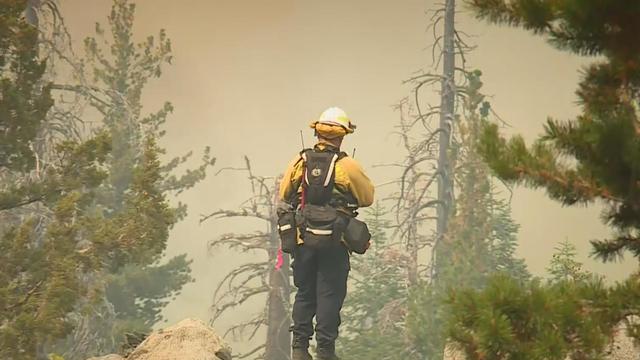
188 340
451 353
622 347
108 357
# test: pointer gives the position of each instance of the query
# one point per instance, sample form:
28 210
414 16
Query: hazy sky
249 75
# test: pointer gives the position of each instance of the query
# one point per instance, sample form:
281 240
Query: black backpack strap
303 151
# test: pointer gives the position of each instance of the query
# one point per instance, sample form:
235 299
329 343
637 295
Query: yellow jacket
349 178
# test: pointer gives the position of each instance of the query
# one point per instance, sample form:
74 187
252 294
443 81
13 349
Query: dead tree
262 278
413 199
447 111
429 136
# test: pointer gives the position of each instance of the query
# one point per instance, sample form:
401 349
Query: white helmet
336 116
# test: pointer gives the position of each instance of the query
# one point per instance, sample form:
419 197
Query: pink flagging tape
280 260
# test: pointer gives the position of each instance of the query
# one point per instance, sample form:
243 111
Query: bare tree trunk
412 246
447 108
278 346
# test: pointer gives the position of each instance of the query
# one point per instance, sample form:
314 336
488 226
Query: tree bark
278 346
447 108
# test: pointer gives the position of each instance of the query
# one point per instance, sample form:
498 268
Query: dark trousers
320 274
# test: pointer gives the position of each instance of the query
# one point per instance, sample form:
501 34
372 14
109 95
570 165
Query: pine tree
373 313
47 230
564 266
24 103
511 319
133 288
535 319
481 236
141 290
503 241
581 161
603 139
42 263
592 157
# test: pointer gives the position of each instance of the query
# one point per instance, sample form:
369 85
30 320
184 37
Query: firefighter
324 187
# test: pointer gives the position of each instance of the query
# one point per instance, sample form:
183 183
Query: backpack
318 220
319 176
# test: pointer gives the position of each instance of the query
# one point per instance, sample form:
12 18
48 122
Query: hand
283 207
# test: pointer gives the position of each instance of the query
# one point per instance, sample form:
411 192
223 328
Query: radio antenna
302 140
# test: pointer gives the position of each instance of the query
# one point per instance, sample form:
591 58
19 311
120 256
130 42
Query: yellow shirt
349 178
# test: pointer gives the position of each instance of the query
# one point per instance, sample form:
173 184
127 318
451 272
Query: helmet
337 117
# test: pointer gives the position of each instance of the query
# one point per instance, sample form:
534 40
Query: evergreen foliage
604 27
511 319
41 266
136 287
481 235
564 266
481 238
570 315
591 157
41 259
389 313
84 220
581 161
375 306
25 100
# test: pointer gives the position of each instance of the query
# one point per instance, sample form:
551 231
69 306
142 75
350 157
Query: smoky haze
247 76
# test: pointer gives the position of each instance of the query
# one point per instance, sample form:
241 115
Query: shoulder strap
303 152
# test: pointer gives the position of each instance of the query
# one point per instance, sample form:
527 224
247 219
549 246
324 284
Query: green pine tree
47 228
603 139
138 286
564 266
581 161
512 319
42 262
136 297
503 241
481 237
373 314
24 103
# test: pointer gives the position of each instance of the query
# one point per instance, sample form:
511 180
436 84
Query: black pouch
287 231
357 236
318 224
340 226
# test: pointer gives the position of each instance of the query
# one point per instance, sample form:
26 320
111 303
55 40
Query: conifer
587 160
